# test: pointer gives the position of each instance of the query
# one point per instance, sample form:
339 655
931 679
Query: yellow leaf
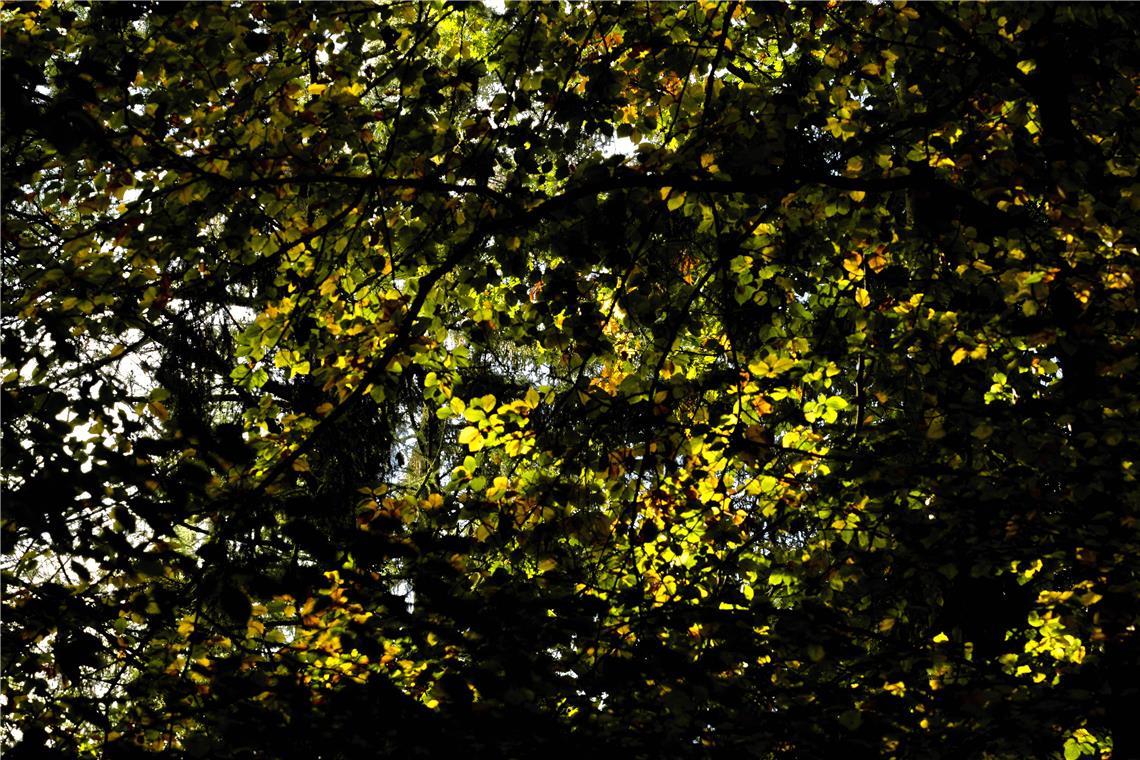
877 262
676 202
857 195
159 410
941 638
959 355
1027 66
186 626
546 565
499 487
317 89
780 364
665 192
862 297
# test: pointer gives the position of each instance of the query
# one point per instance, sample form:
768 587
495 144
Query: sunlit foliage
649 380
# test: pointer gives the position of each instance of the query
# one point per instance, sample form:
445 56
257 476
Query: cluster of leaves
712 379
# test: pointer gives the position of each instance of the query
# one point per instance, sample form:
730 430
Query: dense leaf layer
674 380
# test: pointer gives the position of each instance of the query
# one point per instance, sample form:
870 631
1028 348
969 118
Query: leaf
1090 598
877 262
759 369
469 434
934 429
982 431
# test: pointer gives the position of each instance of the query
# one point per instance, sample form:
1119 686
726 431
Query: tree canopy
654 380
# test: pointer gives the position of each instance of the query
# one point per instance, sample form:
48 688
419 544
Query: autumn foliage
648 380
